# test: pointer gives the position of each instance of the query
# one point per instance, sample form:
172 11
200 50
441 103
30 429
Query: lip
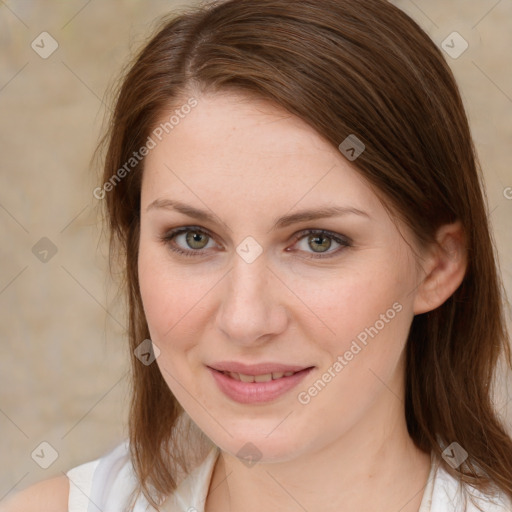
256 392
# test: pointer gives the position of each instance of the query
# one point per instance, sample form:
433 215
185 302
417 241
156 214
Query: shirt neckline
191 494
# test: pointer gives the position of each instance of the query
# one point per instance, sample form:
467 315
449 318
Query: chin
252 445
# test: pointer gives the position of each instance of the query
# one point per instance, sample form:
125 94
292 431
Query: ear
444 268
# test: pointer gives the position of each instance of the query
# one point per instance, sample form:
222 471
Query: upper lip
256 369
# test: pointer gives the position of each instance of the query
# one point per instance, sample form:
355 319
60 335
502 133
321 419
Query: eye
320 241
192 240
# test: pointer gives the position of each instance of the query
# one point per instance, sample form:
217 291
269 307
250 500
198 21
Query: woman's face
261 282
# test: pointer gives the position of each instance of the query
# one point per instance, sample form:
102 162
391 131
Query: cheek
168 298
361 324
339 308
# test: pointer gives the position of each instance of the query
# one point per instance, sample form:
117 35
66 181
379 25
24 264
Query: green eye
195 240
319 241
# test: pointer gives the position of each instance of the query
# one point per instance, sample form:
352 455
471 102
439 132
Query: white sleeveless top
106 484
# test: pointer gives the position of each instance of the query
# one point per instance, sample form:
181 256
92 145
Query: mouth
261 372
264 377
256 383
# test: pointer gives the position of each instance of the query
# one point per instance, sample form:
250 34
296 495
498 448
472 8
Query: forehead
249 152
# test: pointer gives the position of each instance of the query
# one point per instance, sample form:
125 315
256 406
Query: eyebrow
281 222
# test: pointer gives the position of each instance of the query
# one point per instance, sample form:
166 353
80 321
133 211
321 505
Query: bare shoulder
48 496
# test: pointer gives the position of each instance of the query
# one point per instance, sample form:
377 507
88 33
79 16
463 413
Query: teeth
267 377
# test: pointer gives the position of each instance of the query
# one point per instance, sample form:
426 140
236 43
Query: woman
315 311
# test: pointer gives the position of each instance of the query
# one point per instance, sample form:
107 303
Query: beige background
63 361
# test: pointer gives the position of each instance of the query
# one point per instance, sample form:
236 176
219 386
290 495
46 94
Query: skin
48 496
249 163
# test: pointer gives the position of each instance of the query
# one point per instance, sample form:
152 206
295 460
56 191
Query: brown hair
345 67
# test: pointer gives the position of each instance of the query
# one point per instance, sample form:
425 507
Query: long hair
345 67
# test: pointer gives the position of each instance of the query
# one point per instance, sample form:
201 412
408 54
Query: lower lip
256 392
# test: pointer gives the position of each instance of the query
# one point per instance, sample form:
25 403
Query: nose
251 310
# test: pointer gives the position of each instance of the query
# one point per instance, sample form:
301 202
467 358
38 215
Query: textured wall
63 361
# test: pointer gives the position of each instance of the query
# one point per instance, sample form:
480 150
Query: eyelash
169 237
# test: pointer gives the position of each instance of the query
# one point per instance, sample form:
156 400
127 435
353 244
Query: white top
106 485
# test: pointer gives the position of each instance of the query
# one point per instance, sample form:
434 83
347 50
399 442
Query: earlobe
444 269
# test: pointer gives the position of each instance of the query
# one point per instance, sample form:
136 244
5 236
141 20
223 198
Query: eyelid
338 237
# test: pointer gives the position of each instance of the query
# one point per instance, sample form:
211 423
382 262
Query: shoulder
47 496
107 479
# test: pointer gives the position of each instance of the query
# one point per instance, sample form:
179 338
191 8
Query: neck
374 467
